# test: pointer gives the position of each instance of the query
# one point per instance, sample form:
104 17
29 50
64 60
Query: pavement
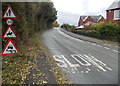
85 62
41 72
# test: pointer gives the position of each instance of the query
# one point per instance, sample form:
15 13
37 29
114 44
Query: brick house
86 21
113 12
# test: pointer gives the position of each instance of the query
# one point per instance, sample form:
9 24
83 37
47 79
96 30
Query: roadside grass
16 67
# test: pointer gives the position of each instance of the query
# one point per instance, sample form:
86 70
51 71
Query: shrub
68 27
107 29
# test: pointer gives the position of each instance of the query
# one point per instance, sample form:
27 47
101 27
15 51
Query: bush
31 18
107 29
68 27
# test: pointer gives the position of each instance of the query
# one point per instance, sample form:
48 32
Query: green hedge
107 29
68 27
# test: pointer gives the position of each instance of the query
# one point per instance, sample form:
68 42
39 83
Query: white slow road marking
70 64
60 62
86 63
85 60
94 62
98 70
100 63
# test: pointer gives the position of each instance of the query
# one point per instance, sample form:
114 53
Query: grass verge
16 67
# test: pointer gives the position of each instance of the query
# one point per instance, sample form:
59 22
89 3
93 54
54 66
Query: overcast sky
83 7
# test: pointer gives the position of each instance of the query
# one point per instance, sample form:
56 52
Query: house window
117 14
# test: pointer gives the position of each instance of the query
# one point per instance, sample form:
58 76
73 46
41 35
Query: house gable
101 19
113 12
88 20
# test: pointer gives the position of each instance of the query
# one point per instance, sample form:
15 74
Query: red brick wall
80 22
89 19
102 20
110 17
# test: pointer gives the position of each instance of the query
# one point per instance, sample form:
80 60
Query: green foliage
107 29
68 27
56 24
31 18
46 15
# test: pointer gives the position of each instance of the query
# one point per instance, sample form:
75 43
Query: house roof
114 5
95 18
83 17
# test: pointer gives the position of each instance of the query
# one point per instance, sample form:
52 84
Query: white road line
93 60
93 43
106 48
82 71
69 36
60 60
97 62
75 56
115 51
99 46
98 70
69 63
88 42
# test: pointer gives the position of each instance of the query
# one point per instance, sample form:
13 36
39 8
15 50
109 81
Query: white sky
83 7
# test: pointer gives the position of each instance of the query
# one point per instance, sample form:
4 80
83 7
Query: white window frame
117 14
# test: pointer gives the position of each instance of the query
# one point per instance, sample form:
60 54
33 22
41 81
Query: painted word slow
82 60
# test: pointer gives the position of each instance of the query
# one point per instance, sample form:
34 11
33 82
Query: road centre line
70 36
99 46
116 51
94 44
106 48
87 42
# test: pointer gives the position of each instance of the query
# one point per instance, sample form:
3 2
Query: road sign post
9 33
9 13
10 47
9 22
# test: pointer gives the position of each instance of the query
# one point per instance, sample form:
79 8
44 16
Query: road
84 62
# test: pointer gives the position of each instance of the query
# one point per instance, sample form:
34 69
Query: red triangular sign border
7 31
6 47
6 11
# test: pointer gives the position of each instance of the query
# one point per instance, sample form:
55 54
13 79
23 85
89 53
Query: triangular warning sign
9 13
9 33
10 48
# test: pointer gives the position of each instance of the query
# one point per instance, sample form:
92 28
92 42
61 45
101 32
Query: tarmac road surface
84 62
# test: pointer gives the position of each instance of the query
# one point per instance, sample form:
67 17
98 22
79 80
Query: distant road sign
9 33
9 22
10 48
9 13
